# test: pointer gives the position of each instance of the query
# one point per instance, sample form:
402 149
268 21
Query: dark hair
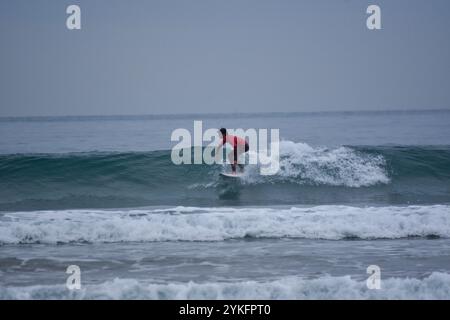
223 131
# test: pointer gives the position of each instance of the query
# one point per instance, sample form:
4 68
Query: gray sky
178 56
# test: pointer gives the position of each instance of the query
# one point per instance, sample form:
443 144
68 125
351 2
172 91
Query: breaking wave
435 286
218 224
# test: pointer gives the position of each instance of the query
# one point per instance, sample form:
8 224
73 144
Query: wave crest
341 166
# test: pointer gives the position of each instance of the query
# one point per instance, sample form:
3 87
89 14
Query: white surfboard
232 175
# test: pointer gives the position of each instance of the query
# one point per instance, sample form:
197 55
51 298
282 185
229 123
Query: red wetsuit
233 140
237 143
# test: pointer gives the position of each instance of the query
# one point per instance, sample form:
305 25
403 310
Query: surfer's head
223 131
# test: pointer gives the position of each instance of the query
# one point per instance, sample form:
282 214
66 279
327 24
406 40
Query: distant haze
211 56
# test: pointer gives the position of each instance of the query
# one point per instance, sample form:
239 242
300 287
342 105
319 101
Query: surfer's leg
240 160
231 157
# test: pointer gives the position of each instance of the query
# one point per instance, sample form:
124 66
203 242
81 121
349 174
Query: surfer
239 145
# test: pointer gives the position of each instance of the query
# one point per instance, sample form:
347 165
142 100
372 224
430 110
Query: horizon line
210 114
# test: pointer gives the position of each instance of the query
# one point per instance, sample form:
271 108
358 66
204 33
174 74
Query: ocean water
354 190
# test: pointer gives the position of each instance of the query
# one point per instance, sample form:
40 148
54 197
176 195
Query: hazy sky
191 56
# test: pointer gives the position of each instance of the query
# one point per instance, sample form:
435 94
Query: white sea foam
341 166
217 224
435 286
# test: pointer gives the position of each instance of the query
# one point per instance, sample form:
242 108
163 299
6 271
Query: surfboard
231 175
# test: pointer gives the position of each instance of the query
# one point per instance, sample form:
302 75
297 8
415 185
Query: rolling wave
218 224
308 175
